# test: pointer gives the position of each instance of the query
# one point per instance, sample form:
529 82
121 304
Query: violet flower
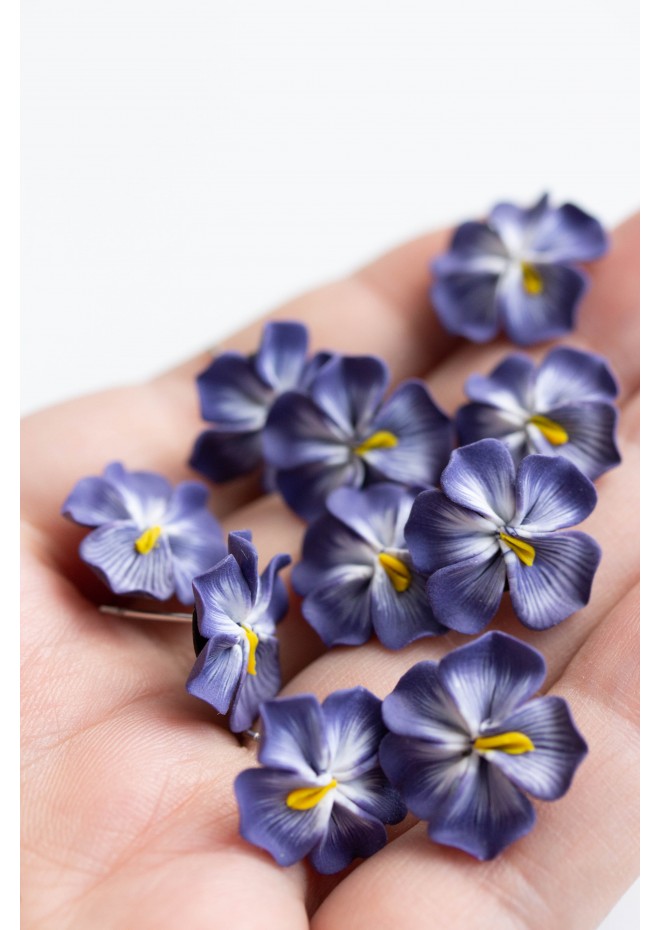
356 574
516 271
489 526
563 407
236 612
150 538
322 792
342 433
236 392
469 741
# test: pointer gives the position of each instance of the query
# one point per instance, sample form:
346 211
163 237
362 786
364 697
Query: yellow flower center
253 642
525 552
146 542
553 432
514 743
532 280
304 799
383 439
396 570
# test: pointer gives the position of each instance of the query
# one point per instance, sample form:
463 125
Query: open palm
129 813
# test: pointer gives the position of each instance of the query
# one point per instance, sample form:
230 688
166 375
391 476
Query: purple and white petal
465 596
354 728
272 600
254 689
483 814
481 477
94 501
222 456
233 395
558 582
280 359
145 493
551 493
266 820
217 673
242 549
547 771
312 368
401 617
424 437
339 608
298 432
440 533
194 535
349 389
222 596
329 543
509 386
491 677
591 428
568 375
530 318
516 225
306 488
294 736
110 551
480 421
420 708
475 247
568 234
373 794
350 834
377 514
465 304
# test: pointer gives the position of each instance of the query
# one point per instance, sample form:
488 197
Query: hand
129 816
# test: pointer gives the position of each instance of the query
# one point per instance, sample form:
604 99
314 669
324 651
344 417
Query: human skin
128 813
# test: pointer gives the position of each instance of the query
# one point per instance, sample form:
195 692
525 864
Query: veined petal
401 617
110 551
254 689
222 456
483 814
420 707
339 608
377 514
242 549
566 376
354 729
349 390
508 387
145 493
423 433
491 677
440 533
272 600
222 596
94 501
233 395
548 770
465 596
473 242
516 225
329 544
551 493
299 432
481 421
349 835
294 736
481 477
591 427
266 820
372 793
465 304
196 545
568 234
558 583
306 488
530 318
280 359
217 673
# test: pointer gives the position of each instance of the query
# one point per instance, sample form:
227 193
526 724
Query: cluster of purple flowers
407 538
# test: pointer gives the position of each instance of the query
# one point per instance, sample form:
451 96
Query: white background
188 165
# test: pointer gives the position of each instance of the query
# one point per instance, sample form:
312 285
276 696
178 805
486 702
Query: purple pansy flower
151 538
236 612
237 391
563 407
322 792
469 741
343 433
489 526
356 574
516 271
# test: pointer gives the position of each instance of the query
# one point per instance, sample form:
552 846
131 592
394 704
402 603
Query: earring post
144 614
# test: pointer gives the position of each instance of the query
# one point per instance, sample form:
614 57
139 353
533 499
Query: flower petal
377 514
373 794
145 493
222 598
401 617
280 359
484 813
272 600
566 376
339 608
349 390
491 677
420 707
530 318
568 234
509 386
551 493
329 543
294 736
515 224
111 552
465 596
481 477
266 820
349 835
94 501
481 421
222 456
194 535
591 428
305 489
558 583
255 689
440 533
217 673
242 549
548 770
424 437
354 728
298 432
233 395
474 247
465 304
